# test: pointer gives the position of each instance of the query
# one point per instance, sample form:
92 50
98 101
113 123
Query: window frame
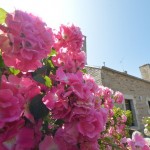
133 98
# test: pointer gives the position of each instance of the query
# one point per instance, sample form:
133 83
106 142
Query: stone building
136 90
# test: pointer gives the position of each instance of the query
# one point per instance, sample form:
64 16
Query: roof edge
125 74
122 73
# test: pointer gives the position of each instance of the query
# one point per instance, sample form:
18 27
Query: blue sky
118 31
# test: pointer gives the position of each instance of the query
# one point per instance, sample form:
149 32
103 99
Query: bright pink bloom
61 76
48 144
61 110
25 139
109 103
71 133
26 40
10 109
70 61
29 137
69 36
21 86
9 133
107 93
121 128
69 41
138 142
118 96
51 98
92 124
89 145
56 101
91 84
18 93
111 130
124 140
61 142
124 118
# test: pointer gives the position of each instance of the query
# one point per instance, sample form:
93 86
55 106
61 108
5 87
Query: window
149 104
130 106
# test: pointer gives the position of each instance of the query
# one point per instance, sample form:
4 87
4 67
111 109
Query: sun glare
51 11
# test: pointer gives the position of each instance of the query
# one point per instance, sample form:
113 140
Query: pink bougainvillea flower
61 142
29 136
90 83
89 145
71 133
70 61
124 118
68 44
107 93
48 144
8 134
109 103
17 136
25 41
92 124
61 110
120 128
69 36
118 96
10 109
16 93
24 86
61 76
137 142
25 139
51 98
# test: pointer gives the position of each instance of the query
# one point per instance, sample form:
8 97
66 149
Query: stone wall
133 88
145 71
96 73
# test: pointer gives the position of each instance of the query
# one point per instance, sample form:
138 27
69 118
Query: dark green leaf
39 78
108 139
59 122
41 70
1 62
37 108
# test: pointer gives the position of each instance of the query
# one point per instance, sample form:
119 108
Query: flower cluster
137 142
68 45
25 41
46 100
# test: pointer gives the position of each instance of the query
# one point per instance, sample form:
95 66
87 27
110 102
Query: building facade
136 90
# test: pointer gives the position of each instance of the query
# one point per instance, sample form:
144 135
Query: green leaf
41 70
48 81
2 65
14 71
37 108
115 146
43 79
50 64
59 122
39 78
108 139
3 14
84 70
53 52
